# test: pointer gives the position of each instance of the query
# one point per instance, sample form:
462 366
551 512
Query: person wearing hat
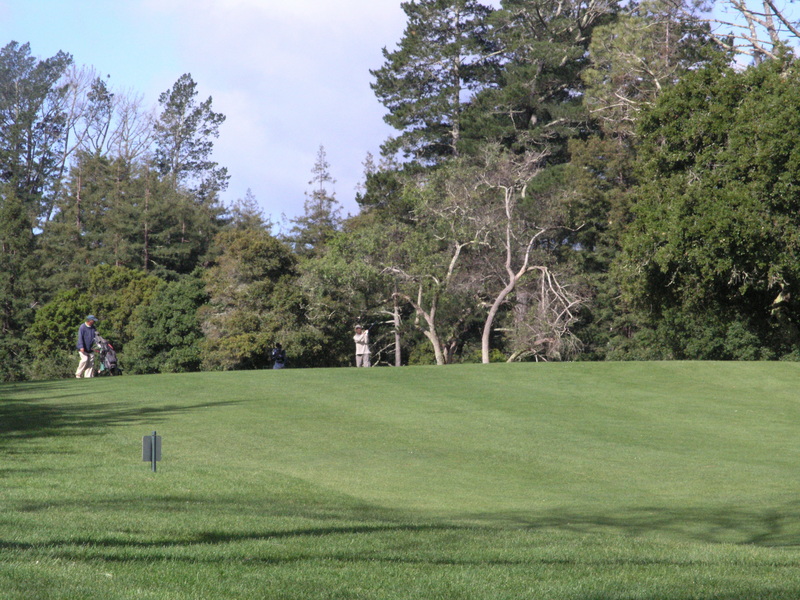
361 338
85 342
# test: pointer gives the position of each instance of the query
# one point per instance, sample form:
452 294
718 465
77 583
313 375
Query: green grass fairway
579 481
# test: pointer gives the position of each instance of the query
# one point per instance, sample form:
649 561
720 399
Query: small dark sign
151 449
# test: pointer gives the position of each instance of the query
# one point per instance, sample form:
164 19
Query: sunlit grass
575 481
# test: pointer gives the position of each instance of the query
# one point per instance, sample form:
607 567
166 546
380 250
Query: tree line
579 180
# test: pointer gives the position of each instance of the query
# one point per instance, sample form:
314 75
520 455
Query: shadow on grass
31 419
499 546
772 527
213 538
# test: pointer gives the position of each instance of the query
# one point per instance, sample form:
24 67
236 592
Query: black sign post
151 449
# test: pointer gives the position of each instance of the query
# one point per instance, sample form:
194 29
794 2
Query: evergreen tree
56 323
440 62
383 190
255 301
601 174
52 334
33 125
123 214
17 288
536 103
711 257
116 293
245 213
184 134
321 217
167 333
635 57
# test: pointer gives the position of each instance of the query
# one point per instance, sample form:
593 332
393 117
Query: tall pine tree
32 125
440 62
16 282
185 131
321 218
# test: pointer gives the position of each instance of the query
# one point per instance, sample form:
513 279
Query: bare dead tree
516 235
90 111
131 137
98 122
71 105
542 317
430 288
635 57
753 29
450 216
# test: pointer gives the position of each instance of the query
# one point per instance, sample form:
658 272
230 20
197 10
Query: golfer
86 335
361 338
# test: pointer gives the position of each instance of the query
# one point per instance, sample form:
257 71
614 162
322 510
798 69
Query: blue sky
290 76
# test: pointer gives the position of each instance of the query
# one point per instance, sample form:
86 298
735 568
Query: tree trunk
437 347
146 231
397 355
487 326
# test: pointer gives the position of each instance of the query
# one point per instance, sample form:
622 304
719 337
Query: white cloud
289 76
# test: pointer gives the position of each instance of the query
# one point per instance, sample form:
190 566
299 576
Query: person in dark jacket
278 356
86 335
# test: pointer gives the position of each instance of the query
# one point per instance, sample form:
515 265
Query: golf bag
106 361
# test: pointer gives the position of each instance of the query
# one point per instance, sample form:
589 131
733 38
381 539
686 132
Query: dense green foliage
168 332
712 254
579 180
636 481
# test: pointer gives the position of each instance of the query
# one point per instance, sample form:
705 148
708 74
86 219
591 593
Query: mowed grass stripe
525 425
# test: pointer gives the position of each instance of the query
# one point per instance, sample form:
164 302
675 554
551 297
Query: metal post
153 452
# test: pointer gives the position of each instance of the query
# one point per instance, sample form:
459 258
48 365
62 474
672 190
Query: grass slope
575 481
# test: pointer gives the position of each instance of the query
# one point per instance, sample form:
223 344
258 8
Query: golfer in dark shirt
85 342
